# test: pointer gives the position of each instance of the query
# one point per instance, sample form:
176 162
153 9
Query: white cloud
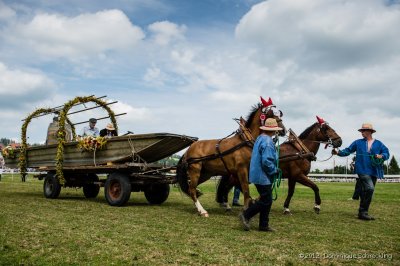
322 35
89 34
165 32
17 86
6 12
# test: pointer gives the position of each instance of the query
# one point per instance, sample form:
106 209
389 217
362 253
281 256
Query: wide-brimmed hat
93 120
270 125
110 127
367 126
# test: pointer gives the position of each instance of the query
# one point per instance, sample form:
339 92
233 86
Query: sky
191 66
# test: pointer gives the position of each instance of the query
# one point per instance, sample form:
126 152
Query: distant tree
393 167
316 171
6 141
340 169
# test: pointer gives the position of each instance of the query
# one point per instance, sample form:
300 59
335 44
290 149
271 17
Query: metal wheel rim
115 190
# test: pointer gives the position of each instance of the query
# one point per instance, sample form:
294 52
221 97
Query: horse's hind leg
194 175
292 185
304 180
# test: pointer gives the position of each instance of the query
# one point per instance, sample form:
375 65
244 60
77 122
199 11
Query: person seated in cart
90 130
53 129
109 131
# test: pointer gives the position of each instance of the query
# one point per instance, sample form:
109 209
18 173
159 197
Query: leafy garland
22 154
61 131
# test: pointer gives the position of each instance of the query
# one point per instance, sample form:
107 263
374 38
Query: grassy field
77 231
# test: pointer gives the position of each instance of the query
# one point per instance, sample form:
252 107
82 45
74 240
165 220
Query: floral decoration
8 152
90 143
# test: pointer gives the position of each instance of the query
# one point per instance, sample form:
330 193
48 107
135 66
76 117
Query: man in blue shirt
370 154
263 168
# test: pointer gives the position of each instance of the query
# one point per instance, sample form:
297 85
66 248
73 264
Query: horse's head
260 113
327 134
269 110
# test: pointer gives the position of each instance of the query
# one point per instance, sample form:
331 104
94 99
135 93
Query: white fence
349 178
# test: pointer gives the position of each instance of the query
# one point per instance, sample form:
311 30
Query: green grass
75 231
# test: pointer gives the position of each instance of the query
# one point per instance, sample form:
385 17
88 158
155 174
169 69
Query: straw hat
110 127
270 125
367 126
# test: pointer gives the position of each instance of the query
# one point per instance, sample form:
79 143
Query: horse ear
320 120
266 103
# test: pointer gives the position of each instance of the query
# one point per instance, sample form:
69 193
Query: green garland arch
61 131
24 145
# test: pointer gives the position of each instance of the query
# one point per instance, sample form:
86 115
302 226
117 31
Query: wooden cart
125 164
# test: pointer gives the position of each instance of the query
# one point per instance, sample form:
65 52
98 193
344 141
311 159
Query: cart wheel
51 186
157 194
117 189
91 190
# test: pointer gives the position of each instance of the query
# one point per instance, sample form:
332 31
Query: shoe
266 229
236 204
245 222
365 216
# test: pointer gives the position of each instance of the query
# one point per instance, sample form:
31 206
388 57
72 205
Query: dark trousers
367 191
357 190
262 206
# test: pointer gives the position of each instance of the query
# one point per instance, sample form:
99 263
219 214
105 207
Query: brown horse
297 168
228 156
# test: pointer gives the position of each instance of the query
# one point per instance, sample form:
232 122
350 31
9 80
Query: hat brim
110 128
270 128
367 129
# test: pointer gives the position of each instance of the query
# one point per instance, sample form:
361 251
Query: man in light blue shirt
90 130
370 154
263 169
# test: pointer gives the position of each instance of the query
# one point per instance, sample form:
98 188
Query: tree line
390 169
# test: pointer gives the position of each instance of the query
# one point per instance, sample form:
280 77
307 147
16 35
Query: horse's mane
251 115
307 132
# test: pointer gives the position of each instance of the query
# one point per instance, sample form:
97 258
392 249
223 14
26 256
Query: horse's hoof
203 214
287 212
228 209
317 209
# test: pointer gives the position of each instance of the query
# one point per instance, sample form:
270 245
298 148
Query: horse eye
281 113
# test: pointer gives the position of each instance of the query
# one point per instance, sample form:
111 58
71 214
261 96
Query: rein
276 183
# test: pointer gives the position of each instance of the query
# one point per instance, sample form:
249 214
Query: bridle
328 142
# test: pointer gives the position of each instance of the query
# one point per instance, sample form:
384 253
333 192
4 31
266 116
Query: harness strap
216 156
295 140
221 157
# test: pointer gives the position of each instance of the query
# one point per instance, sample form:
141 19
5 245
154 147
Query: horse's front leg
304 180
194 175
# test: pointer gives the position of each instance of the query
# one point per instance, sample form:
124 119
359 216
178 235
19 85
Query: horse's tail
182 176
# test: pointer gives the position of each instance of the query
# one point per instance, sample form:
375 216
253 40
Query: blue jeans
236 195
357 190
367 183
262 206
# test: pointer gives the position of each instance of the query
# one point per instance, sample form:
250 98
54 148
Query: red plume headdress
320 120
266 103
